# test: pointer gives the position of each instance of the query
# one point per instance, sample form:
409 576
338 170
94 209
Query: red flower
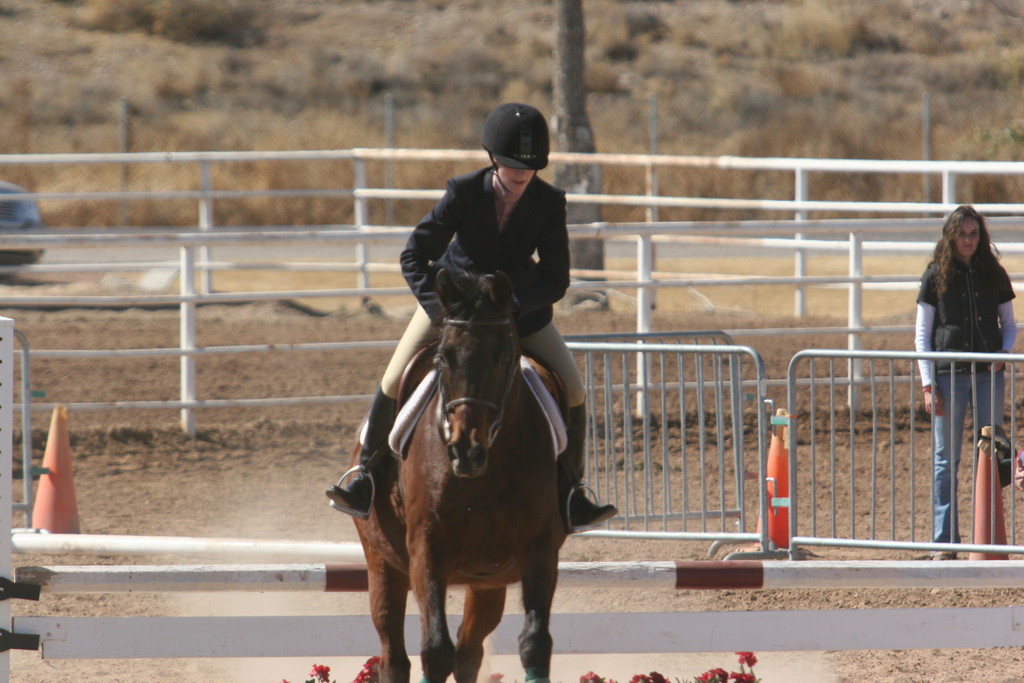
655 677
743 678
321 673
591 677
369 674
640 678
747 658
714 676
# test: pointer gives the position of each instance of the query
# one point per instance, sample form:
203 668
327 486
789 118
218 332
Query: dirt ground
259 473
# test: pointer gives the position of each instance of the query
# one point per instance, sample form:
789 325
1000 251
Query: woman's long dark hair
986 256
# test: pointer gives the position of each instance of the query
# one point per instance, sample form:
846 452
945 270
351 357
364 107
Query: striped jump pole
695 575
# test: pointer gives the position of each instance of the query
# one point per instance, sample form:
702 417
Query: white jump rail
294 636
637 632
43 543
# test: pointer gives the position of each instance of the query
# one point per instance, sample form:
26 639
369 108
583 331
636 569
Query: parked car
18 215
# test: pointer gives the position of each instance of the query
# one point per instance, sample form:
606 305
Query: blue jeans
948 431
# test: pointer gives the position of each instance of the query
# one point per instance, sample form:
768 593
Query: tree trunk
573 132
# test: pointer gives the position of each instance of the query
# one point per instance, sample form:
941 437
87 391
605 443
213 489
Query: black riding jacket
461 235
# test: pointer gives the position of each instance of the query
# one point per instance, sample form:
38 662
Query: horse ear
500 289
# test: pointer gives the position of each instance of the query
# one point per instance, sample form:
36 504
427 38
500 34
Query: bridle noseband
499 407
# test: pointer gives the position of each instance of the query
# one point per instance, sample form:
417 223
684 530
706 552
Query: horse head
477 360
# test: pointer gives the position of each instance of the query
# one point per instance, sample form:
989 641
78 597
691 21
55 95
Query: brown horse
473 502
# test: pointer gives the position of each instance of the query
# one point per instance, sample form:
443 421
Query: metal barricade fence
861 448
677 438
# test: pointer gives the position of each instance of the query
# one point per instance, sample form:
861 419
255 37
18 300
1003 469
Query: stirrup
360 472
581 487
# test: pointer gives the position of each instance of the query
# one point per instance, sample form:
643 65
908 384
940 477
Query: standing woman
965 304
496 218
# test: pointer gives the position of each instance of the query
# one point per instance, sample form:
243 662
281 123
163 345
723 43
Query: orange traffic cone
778 482
56 508
989 528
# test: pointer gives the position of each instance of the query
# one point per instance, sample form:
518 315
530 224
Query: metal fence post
644 270
205 223
855 314
651 177
28 475
124 127
948 187
800 256
926 139
361 216
389 168
188 338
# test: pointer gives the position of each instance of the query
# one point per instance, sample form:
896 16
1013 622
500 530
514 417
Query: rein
499 407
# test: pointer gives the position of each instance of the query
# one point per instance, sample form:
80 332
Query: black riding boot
578 512
356 496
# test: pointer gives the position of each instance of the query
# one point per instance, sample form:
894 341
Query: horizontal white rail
641 632
438 155
774 232
42 543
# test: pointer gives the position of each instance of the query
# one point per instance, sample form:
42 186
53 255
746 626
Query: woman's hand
998 367
932 402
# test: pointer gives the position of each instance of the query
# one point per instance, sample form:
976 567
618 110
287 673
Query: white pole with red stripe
696 575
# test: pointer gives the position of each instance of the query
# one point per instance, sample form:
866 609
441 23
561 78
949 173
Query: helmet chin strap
497 177
494 165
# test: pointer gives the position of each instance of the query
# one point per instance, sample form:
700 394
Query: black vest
967 314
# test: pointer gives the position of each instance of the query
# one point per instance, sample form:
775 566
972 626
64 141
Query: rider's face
515 180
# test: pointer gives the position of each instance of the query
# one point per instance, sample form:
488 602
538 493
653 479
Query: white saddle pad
413 409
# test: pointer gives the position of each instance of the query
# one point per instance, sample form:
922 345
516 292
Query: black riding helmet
517 135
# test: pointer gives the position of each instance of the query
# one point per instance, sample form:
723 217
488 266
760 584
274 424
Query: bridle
499 407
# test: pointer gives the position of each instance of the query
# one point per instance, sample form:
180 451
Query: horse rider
492 219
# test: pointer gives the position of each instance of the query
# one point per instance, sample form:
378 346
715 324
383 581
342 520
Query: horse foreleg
535 641
437 654
389 593
482 614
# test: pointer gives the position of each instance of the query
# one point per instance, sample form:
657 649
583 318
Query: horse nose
468 458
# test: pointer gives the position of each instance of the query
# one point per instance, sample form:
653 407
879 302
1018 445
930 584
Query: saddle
419 382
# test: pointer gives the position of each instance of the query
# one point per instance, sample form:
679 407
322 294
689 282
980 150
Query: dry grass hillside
765 78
